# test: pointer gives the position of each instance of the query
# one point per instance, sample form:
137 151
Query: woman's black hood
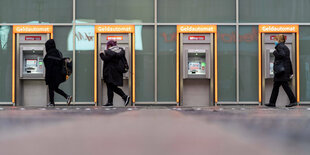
50 44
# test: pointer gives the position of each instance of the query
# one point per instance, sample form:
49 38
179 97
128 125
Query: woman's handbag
279 69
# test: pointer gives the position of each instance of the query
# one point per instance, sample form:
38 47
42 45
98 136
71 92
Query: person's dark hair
111 43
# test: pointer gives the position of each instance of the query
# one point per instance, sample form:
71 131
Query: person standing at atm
112 75
283 72
53 74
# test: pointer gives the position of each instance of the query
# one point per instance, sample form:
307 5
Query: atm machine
30 71
124 40
196 69
268 48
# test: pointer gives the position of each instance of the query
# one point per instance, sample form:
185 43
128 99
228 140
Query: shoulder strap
53 57
60 54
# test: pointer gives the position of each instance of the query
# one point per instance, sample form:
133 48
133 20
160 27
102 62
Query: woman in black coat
53 71
282 59
112 75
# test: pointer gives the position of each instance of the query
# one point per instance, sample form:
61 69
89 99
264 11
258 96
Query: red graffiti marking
172 36
225 37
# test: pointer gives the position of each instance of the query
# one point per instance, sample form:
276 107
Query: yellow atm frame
115 29
196 29
25 29
278 29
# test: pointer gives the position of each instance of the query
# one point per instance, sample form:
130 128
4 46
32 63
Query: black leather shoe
270 105
127 100
51 105
291 104
108 104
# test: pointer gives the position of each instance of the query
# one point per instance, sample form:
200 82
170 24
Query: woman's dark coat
111 70
53 73
282 55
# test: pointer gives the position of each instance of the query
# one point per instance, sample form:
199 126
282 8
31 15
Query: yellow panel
215 70
259 68
133 69
13 69
95 71
178 70
298 71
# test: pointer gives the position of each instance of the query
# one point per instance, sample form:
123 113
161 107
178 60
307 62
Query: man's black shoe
108 104
127 100
291 104
270 105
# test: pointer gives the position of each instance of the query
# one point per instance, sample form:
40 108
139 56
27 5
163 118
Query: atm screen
271 68
31 62
271 61
196 63
194 66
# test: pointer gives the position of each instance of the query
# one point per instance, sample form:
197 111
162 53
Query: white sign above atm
32 29
278 28
114 29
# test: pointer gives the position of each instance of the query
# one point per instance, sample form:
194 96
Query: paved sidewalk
154 131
